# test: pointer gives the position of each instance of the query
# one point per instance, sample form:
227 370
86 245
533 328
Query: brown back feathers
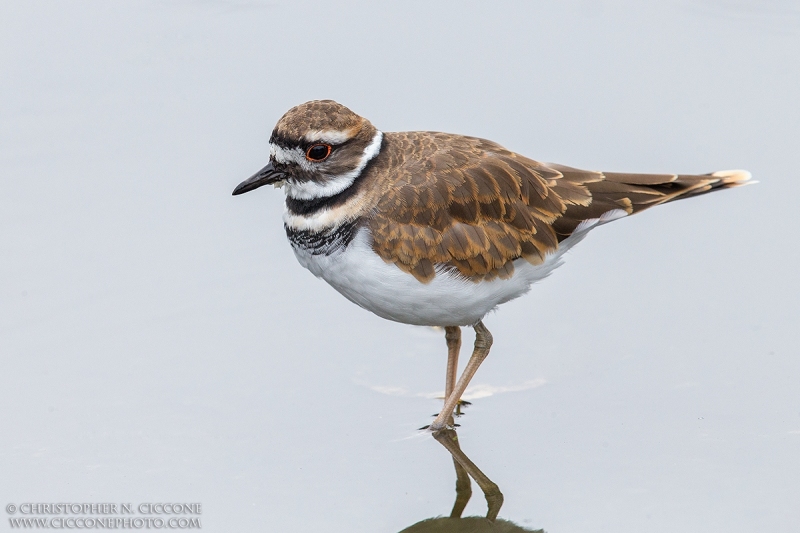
469 205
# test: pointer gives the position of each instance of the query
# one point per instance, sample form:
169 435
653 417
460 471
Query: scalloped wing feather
450 202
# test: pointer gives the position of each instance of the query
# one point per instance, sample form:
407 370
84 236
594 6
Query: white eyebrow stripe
330 136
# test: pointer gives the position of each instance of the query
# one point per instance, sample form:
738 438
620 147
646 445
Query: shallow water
160 343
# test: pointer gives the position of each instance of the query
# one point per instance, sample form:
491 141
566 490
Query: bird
439 229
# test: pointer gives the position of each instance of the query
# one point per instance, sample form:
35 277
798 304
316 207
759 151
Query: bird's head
317 150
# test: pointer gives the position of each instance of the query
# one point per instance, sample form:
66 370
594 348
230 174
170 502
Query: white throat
311 190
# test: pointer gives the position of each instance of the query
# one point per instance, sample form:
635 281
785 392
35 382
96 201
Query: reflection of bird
472 524
439 229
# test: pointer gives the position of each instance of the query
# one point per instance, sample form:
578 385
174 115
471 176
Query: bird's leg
483 342
452 334
494 498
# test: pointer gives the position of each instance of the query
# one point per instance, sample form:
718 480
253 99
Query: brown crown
317 115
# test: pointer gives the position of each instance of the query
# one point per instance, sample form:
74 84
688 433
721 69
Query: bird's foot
459 405
465 403
433 428
457 411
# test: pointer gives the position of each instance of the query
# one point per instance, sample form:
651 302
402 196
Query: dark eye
318 152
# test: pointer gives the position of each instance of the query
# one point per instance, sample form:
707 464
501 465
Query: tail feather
733 178
633 193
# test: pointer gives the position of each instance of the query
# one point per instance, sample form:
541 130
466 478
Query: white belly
448 300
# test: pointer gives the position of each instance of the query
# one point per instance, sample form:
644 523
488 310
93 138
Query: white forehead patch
289 155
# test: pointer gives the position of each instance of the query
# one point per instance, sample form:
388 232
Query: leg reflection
463 489
464 470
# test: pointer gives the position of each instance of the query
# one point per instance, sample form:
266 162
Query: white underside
448 300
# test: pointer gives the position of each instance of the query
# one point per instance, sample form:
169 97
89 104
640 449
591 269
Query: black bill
265 176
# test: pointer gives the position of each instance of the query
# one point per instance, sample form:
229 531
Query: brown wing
470 205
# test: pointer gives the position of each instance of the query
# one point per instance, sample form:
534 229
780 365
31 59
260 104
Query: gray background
160 343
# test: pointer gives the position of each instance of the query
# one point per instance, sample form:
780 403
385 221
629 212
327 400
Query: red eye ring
318 152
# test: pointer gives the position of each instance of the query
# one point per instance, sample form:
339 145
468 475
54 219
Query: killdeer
438 229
